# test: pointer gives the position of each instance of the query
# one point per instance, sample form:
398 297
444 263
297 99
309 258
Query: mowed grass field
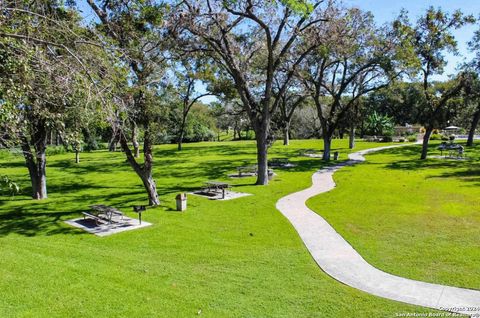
238 258
417 219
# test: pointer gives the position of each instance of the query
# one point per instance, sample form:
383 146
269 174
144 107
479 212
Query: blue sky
386 10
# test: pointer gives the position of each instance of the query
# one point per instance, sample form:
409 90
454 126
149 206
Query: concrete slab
229 195
340 260
90 226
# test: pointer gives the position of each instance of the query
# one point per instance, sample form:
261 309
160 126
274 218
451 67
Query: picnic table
101 212
248 169
278 162
216 186
306 152
452 149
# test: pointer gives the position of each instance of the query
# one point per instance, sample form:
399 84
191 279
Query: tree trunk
473 127
426 138
151 187
136 145
351 137
262 155
327 135
41 180
180 141
286 132
327 145
36 164
144 171
181 133
112 145
147 179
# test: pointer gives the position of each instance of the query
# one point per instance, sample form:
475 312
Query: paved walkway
338 258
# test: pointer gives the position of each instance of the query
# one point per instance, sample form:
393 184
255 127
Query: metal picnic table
250 169
217 185
453 149
105 212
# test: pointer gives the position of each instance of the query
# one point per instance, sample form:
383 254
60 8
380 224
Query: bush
412 138
436 137
445 138
56 150
7 185
91 145
387 139
401 140
451 138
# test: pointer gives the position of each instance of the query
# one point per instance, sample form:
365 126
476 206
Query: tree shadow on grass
410 150
217 150
467 175
31 224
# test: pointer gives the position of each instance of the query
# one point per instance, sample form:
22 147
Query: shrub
55 150
445 138
401 140
387 139
436 137
91 145
378 124
7 185
412 138
451 138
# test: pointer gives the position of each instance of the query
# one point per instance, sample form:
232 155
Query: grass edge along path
337 258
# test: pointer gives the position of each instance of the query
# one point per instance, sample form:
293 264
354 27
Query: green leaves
7 185
378 124
302 7
423 45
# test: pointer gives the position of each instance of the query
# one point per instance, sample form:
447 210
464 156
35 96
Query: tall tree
252 41
291 99
189 71
425 44
473 88
471 98
136 29
355 59
46 60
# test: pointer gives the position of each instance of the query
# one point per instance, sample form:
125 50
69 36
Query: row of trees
262 60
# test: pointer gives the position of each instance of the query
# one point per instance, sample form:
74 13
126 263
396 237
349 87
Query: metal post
140 217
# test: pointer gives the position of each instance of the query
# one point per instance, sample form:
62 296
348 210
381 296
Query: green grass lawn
238 258
417 219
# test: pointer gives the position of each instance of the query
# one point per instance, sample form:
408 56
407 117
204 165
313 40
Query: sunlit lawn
238 258
411 218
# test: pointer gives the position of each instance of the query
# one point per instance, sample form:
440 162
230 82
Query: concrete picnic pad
90 226
341 261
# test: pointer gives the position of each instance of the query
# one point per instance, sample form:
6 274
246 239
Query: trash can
181 201
271 174
335 155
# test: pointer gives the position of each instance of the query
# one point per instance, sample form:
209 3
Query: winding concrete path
338 258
